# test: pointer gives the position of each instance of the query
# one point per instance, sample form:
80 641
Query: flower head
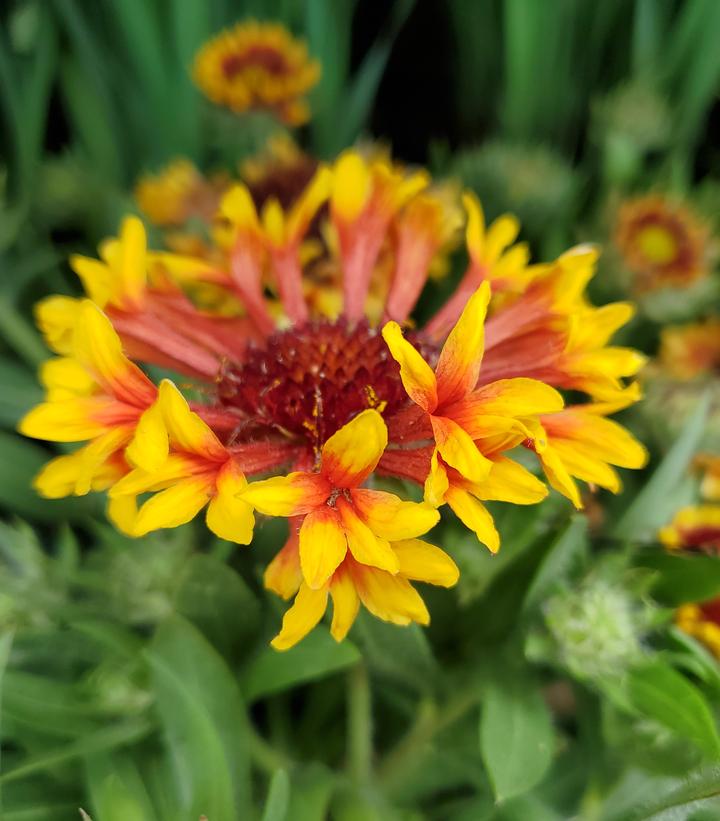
691 351
257 66
278 405
694 528
662 243
702 622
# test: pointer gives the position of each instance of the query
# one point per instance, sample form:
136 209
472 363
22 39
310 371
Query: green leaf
566 552
276 806
20 392
517 740
700 790
659 692
682 577
204 720
212 596
117 790
316 656
653 506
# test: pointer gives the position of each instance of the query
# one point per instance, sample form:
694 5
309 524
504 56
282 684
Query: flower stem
265 756
359 725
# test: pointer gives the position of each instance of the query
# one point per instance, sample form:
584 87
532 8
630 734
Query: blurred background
135 680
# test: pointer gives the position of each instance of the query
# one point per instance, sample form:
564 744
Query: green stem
264 756
430 721
359 725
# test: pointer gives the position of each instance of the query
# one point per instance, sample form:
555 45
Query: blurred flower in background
257 66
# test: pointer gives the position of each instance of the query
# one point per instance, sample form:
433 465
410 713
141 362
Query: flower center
268 59
657 244
311 380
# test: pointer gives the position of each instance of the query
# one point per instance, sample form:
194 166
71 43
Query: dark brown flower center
311 380
263 57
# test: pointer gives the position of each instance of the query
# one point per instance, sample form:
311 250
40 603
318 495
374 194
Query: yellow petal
392 518
186 429
310 201
228 516
322 546
56 317
501 233
346 604
475 232
65 378
122 512
351 186
391 598
437 483
351 454
364 545
474 515
417 376
97 278
237 207
509 482
423 562
515 397
283 575
175 506
148 448
71 420
458 449
307 610
132 262
97 347
558 476
461 356
292 495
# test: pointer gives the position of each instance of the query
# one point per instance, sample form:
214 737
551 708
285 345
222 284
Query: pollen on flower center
311 380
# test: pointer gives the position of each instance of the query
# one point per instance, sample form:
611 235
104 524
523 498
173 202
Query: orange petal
292 495
322 546
458 449
460 359
351 454
417 376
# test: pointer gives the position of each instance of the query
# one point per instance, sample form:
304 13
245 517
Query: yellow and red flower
696 527
270 383
257 66
709 465
691 351
702 622
662 242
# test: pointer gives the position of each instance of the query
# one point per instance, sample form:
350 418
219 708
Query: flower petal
292 495
423 562
509 482
148 448
461 356
351 454
417 376
515 397
392 518
227 516
458 449
390 598
364 545
175 506
437 482
186 429
283 575
71 420
346 604
322 546
474 515
307 610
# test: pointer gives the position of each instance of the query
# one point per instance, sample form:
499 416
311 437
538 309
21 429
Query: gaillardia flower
278 405
691 351
662 242
257 66
694 528
702 622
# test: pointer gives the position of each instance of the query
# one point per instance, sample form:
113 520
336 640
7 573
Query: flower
662 242
178 193
710 467
257 66
702 622
691 351
696 527
276 405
